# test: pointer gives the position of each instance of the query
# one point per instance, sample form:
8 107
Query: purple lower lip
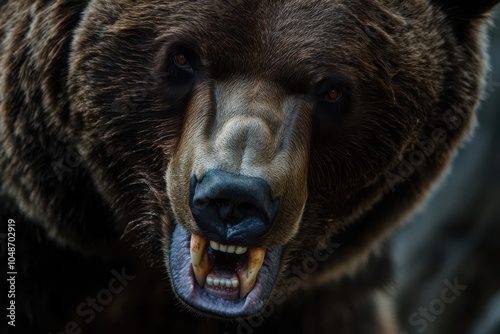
214 302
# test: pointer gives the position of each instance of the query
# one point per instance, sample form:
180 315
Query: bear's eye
333 101
334 95
182 61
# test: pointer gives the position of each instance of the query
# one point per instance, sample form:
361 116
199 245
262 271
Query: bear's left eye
181 61
334 95
332 102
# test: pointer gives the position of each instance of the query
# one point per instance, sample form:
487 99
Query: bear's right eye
334 95
182 61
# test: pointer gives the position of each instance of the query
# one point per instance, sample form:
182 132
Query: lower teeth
223 282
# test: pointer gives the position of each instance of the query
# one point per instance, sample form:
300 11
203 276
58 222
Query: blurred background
448 254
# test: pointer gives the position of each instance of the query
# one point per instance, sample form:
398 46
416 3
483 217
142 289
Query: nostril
201 203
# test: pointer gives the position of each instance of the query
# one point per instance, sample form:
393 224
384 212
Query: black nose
232 209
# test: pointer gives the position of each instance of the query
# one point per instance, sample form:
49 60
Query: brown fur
84 82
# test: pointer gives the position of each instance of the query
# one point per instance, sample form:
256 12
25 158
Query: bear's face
231 137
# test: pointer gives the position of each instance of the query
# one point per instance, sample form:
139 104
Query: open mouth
224 280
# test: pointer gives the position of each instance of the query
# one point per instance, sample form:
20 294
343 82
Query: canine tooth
228 283
235 283
199 258
249 275
216 281
223 248
231 249
214 245
210 280
240 250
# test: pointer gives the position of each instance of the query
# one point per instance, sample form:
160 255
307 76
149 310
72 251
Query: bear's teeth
223 282
232 249
201 265
240 250
214 245
199 258
248 277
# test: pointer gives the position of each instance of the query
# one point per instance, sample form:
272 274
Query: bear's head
236 137
236 141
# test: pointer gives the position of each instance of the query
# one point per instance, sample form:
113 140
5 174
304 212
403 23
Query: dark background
455 237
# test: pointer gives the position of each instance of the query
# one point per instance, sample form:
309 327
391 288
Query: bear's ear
466 9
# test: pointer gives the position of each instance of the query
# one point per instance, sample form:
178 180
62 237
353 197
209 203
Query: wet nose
232 209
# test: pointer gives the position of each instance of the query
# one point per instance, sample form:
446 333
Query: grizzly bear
222 166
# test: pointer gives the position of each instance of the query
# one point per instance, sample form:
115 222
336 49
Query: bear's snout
232 209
